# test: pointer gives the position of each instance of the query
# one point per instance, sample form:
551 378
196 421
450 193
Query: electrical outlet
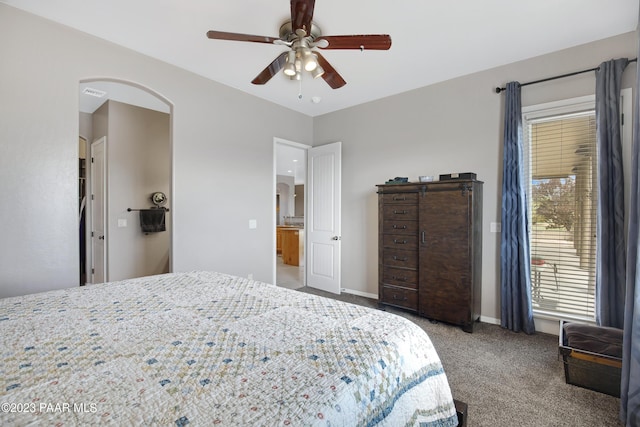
496 227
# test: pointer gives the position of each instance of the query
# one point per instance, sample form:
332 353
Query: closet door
445 291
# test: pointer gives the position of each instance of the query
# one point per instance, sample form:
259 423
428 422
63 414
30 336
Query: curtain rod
500 89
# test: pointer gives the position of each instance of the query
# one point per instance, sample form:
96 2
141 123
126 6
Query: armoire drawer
400 277
400 258
399 226
399 241
407 298
400 212
394 198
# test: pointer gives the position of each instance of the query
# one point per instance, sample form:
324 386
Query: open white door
323 217
98 198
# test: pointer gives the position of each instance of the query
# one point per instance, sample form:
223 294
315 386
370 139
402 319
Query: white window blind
561 177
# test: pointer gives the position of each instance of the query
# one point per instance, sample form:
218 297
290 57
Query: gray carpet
508 379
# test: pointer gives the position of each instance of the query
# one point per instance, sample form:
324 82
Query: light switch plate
253 224
496 227
122 222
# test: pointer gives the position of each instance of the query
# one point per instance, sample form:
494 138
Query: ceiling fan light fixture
296 76
310 63
309 59
317 72
290 67
298 65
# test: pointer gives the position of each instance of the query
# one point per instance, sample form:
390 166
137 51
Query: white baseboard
360 293
542 325
492 320
546 326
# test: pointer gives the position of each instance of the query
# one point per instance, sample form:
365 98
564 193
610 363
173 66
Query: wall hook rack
161 208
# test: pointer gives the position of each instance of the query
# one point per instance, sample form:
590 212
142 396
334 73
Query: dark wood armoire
430 249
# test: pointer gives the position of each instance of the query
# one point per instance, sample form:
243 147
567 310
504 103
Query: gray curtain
515 267
610 264
630 384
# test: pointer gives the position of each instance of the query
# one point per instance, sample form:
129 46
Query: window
561 177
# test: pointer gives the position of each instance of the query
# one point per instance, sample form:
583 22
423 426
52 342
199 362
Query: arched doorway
132 126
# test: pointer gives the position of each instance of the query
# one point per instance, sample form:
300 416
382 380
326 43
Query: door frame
171 205
280 141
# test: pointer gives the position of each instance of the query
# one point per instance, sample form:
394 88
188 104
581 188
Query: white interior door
98 211
323 217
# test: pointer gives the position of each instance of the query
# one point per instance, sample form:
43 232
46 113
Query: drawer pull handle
400 242
397 227
401 298
397 258
403 212
399 198
399 279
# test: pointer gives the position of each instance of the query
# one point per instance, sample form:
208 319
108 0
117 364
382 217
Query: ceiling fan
302 35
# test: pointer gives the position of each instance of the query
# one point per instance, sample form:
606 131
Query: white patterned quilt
203 349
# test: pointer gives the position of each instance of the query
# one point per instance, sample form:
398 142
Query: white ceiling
432 40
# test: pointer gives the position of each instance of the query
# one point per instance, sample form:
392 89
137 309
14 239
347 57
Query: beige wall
454 126
222 168
86 126
139 164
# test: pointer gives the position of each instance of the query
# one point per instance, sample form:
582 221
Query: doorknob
100 237
336 238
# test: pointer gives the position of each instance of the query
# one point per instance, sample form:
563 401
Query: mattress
205 348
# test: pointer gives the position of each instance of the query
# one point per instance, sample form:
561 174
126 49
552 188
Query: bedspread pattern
206 348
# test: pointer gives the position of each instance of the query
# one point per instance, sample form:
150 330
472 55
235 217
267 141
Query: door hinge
92 197
93 271
622 119
92 234
92 160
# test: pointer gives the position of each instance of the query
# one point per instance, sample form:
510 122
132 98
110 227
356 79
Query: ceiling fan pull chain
300 88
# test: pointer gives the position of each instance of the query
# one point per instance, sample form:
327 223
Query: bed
206 348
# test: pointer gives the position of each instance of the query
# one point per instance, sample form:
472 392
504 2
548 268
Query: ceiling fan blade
362 42
301 15
330 75
222 35
271 70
